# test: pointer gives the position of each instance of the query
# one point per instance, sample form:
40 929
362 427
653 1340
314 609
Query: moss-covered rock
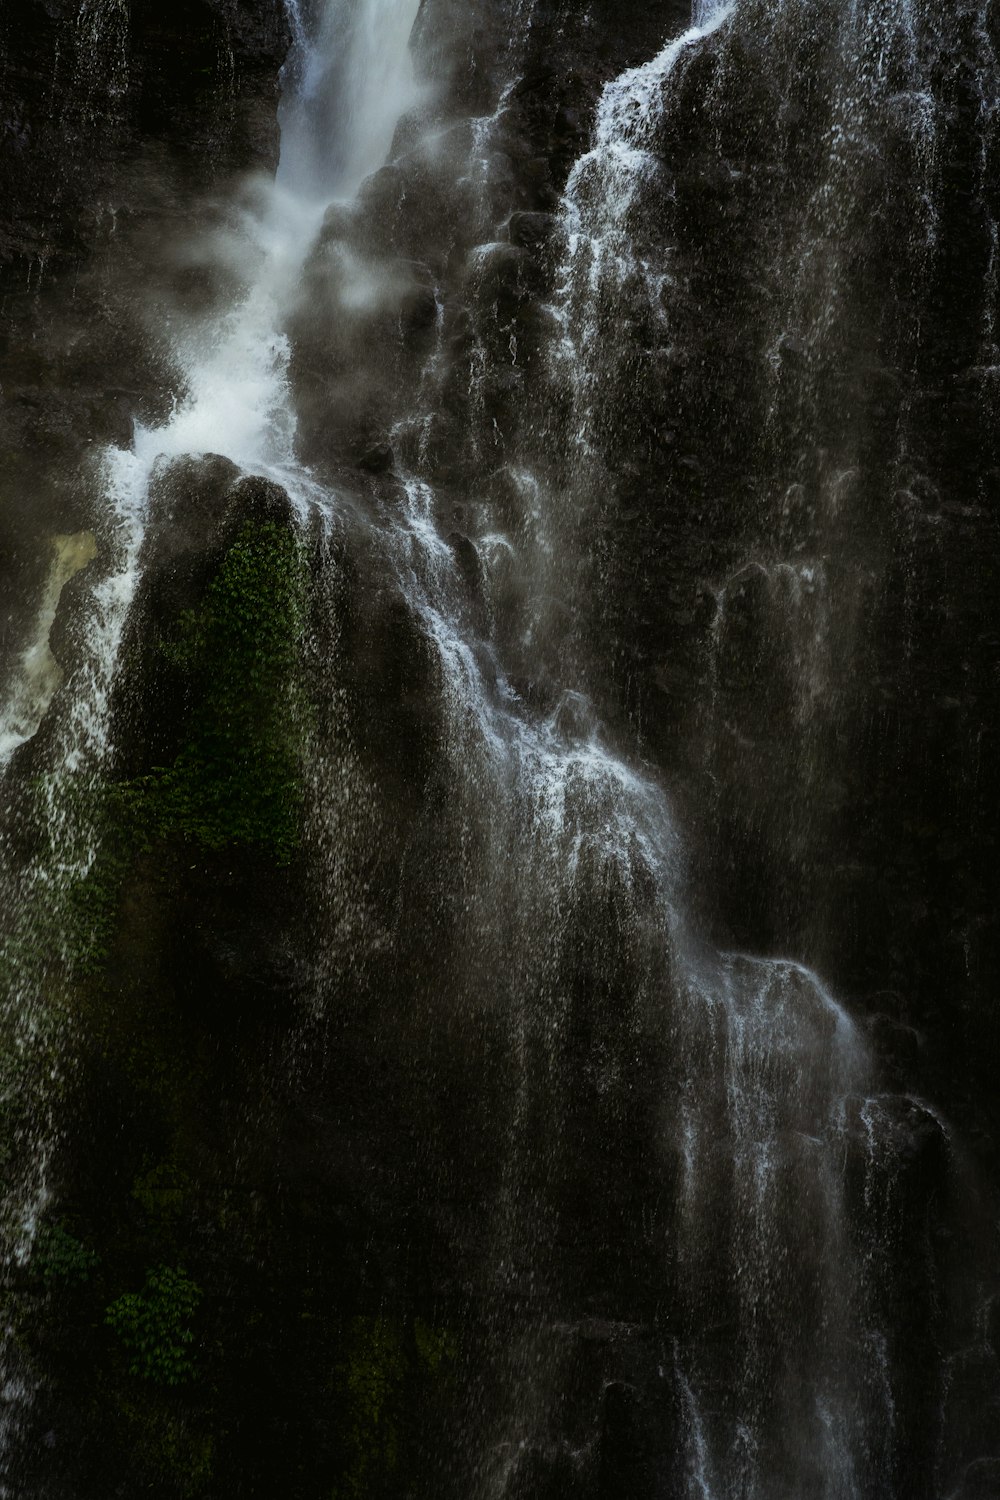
387 1368
237 776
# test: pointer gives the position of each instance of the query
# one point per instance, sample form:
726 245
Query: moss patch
173 1449
387 1365
60 1259
237 779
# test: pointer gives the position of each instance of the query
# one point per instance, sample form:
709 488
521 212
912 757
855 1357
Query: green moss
237 780
387 1363
436 1347
88 910
163 1193
372 1382
66 918
168 1446
155 1326
61 1260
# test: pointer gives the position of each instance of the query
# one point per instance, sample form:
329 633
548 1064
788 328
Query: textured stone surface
781 575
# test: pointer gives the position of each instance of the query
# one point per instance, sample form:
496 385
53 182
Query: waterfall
770 1099
233 398
233 394
353 81
700 1173
768 1080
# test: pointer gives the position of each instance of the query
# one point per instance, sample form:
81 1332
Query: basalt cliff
498 733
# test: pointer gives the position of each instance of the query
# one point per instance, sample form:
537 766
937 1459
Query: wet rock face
865 509
381 1039
88 89
116 120
794 410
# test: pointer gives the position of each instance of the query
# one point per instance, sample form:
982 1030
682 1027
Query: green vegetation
237 780
163 1193
62 917
384 1358
435 1347
89 906
61 1260
146 1331
154 1326
172 1447
373 1381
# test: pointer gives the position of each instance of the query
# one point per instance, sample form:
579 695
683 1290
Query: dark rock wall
857 828
327 1178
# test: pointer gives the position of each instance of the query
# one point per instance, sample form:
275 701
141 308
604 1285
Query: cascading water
694 1188
234 400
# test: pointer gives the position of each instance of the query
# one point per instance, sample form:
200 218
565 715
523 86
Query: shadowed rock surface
500 924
